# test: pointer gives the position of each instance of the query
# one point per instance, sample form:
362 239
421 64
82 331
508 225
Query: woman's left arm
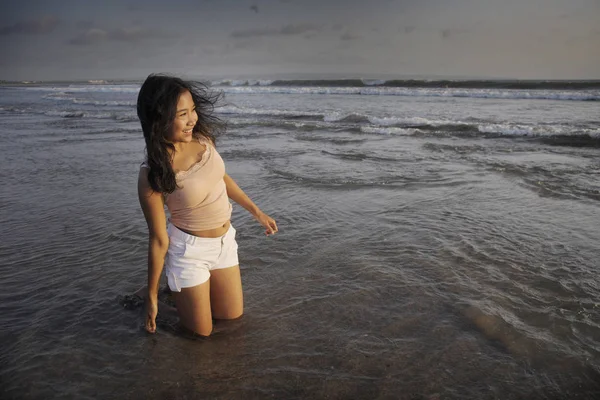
236 194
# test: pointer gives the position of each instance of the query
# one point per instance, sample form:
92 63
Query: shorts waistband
177 233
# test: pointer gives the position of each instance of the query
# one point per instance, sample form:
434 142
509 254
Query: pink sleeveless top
200 202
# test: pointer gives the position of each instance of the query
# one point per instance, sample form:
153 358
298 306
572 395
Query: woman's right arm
158 244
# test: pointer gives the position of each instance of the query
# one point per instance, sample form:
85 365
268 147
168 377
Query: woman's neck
179 147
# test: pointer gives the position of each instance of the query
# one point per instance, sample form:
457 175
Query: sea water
438 239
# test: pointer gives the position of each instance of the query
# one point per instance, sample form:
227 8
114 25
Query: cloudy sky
127 39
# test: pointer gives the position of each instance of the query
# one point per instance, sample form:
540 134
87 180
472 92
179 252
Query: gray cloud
290 29
84 24
114 38
349 36
89 37
38 26
449 32
134 34
253 33
298 29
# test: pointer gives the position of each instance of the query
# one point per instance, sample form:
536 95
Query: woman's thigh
194 308
226 297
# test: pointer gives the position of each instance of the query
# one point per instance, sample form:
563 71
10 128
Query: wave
398 125
511 94
122 117
531 90
116 116
342 117
351 122
388 131
62 96
266 116
519 84
72 88
242 82
357 156
423 83
537 130
551 134
232 109
338 183
104 103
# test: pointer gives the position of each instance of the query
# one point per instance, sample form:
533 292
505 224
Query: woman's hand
151 312
267 222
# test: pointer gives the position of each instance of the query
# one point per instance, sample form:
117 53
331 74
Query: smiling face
185 119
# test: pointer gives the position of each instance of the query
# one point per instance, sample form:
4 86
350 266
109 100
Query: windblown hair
156 109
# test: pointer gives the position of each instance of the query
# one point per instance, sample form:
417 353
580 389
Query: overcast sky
79 39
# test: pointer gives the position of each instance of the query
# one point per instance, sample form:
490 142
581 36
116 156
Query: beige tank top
200 202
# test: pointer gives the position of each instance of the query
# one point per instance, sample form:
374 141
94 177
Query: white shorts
190 258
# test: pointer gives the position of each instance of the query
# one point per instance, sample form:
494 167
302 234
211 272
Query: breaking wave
421 83
564 95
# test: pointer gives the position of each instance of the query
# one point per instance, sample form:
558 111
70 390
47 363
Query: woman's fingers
150 324
271 226
268 223
151 312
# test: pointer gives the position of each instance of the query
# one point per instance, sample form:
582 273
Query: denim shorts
190 258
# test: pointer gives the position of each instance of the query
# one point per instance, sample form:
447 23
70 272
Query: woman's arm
158 243
236 194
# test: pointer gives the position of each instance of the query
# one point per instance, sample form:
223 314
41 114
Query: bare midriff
209 233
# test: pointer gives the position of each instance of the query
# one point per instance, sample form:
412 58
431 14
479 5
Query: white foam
239 82
423 92
242 82
66 114
373 82
219 82
334 116
85 88
104 103
388 121
388 131
61 96
524 130
129 116
231 109
15 110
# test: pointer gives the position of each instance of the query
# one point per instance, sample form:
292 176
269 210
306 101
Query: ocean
438 240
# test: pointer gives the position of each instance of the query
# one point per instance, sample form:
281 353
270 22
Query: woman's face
185 119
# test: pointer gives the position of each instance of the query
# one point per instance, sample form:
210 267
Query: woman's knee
203 330
229 314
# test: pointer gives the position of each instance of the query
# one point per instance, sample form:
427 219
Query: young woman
184 171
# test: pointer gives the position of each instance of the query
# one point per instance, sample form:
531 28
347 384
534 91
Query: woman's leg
193 306
226 298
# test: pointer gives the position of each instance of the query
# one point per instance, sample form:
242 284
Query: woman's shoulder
206 140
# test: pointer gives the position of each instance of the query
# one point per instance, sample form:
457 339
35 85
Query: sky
128 39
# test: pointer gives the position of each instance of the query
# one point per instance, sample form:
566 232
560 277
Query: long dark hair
156 109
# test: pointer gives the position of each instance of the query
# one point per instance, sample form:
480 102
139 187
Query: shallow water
426 250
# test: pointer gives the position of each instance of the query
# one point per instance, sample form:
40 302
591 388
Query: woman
184 171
